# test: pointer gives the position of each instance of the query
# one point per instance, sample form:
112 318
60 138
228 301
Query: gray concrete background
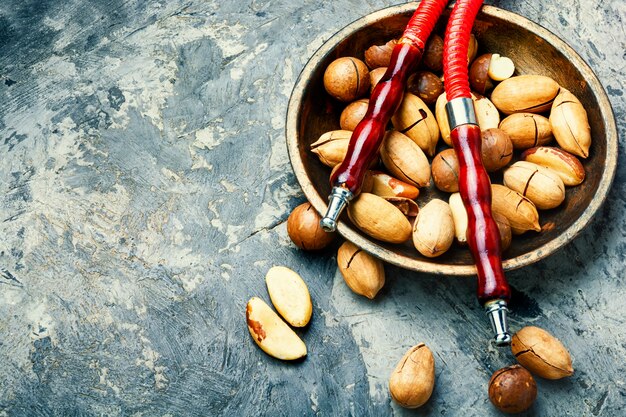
145 186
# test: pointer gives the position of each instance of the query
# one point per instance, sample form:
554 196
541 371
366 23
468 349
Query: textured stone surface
145 186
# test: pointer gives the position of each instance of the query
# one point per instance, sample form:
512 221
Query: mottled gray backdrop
145 186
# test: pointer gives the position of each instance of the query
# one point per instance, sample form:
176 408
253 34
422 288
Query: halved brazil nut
290 295
271 333
384 185
564 164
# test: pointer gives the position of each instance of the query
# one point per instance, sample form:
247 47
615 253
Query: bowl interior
535 51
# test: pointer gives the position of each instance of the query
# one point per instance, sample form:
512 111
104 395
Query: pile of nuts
519 116
513 389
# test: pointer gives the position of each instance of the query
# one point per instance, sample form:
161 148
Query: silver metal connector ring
461 112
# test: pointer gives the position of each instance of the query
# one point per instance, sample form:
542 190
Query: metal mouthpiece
497 311
337 201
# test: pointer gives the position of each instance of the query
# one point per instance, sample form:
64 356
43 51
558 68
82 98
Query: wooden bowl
534 50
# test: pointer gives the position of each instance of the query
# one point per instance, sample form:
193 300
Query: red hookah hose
483 236
386 98
455 46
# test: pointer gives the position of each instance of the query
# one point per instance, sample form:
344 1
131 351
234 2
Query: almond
379 218
527 130
414 119
332 147
404 159
570 125
540 185
525 93
433 231
519 210
364 274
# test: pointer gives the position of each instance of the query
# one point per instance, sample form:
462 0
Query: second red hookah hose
456 44
483 236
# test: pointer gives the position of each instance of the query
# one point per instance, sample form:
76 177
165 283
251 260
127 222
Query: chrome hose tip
328 225
337 201
497 311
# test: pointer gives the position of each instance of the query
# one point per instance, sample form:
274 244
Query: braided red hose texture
483 236
422 24
386 97
455 45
